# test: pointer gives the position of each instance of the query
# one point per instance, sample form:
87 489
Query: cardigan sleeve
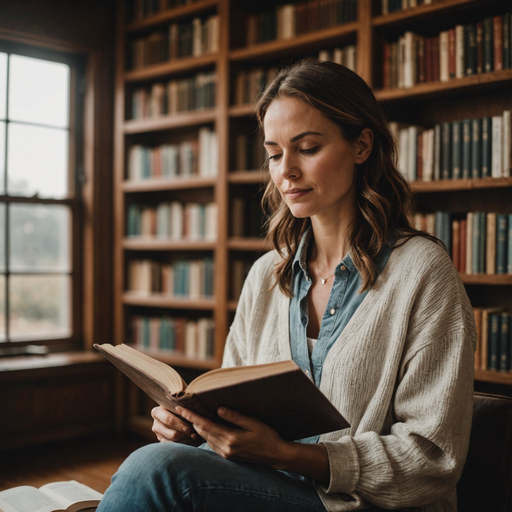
420 458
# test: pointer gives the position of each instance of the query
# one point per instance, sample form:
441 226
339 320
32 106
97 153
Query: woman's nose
289 166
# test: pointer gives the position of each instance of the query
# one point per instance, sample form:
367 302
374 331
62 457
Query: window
40 153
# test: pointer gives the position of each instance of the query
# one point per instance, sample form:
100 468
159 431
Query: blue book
504 342
476 148
146 332
501 243
456 150
467 169
494 342
486 147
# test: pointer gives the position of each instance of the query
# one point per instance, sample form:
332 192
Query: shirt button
332 311
343 267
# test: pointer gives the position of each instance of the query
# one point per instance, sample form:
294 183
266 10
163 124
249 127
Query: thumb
237 418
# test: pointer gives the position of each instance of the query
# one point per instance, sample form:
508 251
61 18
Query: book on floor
278 394
70 496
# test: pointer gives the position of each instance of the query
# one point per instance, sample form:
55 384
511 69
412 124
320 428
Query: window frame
76 177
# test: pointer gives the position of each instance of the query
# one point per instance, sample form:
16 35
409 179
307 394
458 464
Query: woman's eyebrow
293 139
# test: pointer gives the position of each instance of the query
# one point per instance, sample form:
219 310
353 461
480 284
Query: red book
428 59
479 48
498 42
435 59
451 53
462 246
386 66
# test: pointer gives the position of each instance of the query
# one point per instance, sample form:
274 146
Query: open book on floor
68 496
278 394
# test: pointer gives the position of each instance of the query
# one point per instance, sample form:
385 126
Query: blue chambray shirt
342 304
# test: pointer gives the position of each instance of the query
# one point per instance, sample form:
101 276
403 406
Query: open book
55 497
278 394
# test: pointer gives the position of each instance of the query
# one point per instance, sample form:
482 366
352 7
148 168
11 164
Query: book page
27 499
72 492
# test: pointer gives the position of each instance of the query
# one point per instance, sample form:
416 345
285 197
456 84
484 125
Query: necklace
323 279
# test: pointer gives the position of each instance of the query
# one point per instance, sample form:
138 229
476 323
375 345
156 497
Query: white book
162 221
410 59
194 279
437 152
430 220
507 144
204 151
197 39
176 220
403 146
213 34
190 335
134 162
337 55
350 57
288 20
203 325
412 153
459 51
324 55
428 155
497 147
210 230
444 74
172 97
193 212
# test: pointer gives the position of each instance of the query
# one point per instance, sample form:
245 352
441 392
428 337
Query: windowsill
21 363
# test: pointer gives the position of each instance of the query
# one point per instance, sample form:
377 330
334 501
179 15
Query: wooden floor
91 460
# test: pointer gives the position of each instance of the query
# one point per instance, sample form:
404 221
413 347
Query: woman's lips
295 193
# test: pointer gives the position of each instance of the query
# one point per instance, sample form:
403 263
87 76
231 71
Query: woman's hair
383 197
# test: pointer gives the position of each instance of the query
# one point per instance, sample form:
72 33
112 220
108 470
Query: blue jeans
171 477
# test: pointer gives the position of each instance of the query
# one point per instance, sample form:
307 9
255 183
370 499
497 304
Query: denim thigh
171 477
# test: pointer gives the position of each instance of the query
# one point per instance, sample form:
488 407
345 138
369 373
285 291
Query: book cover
476 149
486 147
501 243
278 394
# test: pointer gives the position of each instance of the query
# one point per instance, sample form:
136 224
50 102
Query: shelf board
245 110
163 301
495 377
283 45
167 122
413 12
154 244
170 15
169 67
249 244
431 88
258 176
491 279
175 183
466 184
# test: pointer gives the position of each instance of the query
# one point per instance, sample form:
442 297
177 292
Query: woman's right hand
171 429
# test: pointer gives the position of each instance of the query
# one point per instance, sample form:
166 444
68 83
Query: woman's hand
169 428
252 442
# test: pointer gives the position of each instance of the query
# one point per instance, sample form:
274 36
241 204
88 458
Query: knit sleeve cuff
343 466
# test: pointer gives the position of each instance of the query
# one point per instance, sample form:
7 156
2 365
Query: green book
504 342
501 243
476 148
466 149
470 49
486 147
494 342
456 150
445 151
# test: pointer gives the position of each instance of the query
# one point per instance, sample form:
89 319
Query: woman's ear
364 146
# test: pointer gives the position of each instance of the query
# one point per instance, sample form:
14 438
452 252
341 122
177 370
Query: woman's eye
309 151
274 157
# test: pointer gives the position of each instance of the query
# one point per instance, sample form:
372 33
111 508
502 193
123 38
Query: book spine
501 243
475 250
479 48
507 64
451 53
456 244
497 139
437 152
456 150
463 246
494 342
476 148
488 44
469 243
486 147
470 49
498 42
491 244
466 149
509 244
445 151
482 243
504 342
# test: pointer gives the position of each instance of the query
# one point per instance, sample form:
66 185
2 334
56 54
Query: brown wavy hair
383 197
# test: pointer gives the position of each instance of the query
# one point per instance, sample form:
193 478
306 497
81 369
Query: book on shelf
69 496
278 394
390 6
193 338
494 340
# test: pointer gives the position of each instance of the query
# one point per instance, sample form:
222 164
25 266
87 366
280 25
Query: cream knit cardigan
401 373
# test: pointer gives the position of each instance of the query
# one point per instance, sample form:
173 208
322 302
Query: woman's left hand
252 442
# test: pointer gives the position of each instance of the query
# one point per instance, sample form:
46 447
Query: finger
238 419
170 420
203 426
163 432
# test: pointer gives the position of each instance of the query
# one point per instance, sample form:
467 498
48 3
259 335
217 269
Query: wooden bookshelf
471 96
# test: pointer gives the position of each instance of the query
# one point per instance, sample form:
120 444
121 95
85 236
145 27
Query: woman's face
310 162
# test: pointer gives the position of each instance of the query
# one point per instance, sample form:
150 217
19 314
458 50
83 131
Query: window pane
38 91
2 157
39 238
3 84
39 306
2 308
37 161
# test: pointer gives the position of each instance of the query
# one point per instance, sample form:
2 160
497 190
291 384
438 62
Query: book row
478 243
389 6
461 51
239 270
250 83
188 278
188 158
185 39
290 20
178 95
173 221
144 8
471 148
494 339
250 152
191 338
246 217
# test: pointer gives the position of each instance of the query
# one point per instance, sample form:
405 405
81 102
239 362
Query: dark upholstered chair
486 482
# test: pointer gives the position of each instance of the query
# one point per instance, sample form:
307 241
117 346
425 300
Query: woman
372 310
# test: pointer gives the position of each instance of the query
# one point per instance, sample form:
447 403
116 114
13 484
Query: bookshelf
476 96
